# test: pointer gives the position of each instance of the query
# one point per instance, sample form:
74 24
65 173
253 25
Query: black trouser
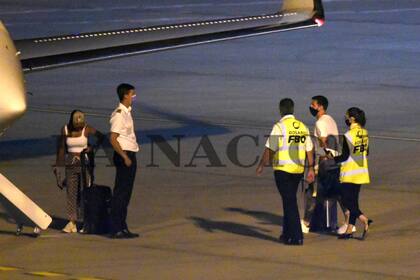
124 181
287 184
350 196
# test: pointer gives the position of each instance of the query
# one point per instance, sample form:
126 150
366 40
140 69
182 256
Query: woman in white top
74 141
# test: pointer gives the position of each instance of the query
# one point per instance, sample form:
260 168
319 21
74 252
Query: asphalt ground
221 222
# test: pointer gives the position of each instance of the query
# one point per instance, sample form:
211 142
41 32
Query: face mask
313 111
348 123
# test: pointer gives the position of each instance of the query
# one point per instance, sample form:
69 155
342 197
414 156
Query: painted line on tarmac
88 278
297 264
46 274
99 115
223 124
407 139
9 268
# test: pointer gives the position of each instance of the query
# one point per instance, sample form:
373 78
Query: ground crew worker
354 168
123 140
288 146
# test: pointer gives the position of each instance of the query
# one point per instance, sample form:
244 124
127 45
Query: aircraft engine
12 86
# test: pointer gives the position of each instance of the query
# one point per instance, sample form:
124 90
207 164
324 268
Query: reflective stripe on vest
355 168
290 157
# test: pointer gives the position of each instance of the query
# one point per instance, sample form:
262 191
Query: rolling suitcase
97 205
21 208
96 200
325 216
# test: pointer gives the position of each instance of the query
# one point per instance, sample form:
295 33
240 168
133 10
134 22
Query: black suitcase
325 213
325 216
96 199
97 206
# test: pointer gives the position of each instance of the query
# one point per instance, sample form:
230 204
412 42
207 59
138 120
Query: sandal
366 230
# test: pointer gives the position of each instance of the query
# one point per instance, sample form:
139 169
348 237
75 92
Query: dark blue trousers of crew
124 181
287 184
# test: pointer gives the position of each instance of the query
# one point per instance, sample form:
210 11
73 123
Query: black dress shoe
130 234
294 242
345 236
366 230
119 235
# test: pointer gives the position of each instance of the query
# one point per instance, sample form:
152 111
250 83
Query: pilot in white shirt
123 140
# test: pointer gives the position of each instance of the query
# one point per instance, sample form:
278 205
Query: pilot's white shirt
122 123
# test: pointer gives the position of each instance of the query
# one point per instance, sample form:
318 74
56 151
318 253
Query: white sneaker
70 228
343 229
305 228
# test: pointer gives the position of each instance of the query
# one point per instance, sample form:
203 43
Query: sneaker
70 228
305 228
343 229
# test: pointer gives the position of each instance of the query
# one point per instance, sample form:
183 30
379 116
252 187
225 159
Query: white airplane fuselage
39 54
12 85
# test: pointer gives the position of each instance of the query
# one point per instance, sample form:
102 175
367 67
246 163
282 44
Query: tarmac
220 221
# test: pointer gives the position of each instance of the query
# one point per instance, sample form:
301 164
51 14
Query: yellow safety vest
290 157
355 168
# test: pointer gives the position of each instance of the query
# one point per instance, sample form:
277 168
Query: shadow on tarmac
37 147
58 223
265 218
231 227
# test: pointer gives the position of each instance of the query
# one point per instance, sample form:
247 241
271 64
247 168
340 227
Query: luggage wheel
19 229
37 231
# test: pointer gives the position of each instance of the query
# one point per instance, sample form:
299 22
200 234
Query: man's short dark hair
123 89
321 100
286 106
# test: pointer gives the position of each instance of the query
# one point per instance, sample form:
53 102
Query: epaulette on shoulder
118 111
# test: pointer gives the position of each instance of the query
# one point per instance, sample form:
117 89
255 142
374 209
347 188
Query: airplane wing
49 52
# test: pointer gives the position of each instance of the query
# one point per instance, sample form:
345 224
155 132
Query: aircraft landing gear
19 230
36 232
